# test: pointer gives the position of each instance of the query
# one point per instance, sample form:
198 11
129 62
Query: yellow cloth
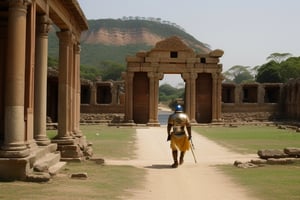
180 143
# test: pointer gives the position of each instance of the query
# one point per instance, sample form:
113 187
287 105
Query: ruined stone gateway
201 73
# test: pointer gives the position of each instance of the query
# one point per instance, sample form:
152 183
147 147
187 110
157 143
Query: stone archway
201 73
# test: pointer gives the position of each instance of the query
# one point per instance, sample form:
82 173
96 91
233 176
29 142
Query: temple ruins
207 98
24 27
30 95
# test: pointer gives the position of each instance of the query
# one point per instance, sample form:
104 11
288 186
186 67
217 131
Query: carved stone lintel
43 27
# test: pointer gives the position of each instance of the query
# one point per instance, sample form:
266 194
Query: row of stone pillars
25 86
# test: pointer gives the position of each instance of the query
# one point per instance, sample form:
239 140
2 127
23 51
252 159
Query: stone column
237 94
93 96
193 78
71 86
153 98
64 103
187 101
214 97
114 93
3 46
77 90
129 97
14 138
261 94
41 66
219 97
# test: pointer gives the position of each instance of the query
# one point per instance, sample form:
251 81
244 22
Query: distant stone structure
207 98
24 145
201 73
291 99
251 102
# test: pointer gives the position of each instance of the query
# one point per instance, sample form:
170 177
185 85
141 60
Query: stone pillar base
21 168
74 149
153 123
128 123
194 123
42 141
14 153
14 169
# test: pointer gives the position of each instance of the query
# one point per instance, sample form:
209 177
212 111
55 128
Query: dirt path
189 181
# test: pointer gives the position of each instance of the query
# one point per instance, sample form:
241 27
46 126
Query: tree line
279 69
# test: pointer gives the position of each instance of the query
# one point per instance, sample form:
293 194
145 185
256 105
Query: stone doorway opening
171 90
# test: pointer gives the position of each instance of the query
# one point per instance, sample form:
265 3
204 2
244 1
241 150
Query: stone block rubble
289 155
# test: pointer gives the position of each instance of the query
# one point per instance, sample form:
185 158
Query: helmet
178 108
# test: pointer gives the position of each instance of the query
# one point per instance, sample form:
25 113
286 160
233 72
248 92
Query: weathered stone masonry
201 73
207 98
24 26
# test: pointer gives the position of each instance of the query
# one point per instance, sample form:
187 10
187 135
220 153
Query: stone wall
291 100
252 102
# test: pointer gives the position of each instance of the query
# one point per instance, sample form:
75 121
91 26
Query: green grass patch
250 139
103 182
271 182
108 142
111 142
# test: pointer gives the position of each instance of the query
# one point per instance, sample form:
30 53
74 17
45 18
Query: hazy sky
247 30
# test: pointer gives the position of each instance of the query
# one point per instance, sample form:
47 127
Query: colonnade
23 64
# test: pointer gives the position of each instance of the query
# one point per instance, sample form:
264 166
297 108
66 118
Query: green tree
290 68
167 89
89 72
52 62
269 73
111 70
275 71
238 74
168 93
279 57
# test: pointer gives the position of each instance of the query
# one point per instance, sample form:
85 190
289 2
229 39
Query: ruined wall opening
272 94
250 94
104 95
228 93
85 94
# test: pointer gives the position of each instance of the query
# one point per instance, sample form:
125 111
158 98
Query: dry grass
103 182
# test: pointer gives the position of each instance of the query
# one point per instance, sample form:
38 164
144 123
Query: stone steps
54 169
44 163
40 152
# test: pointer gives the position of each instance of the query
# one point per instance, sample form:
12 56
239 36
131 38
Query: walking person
177 123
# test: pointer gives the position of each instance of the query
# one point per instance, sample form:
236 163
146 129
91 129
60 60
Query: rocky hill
114 39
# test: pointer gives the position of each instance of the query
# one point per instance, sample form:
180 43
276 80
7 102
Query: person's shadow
159 166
